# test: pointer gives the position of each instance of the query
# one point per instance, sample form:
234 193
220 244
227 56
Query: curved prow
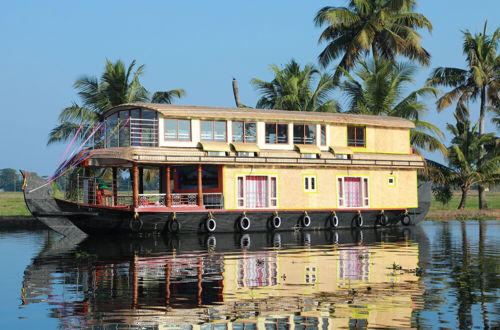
424 201
38 196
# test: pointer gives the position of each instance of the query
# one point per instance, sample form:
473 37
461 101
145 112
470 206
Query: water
435 275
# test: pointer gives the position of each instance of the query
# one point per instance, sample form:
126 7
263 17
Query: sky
196 45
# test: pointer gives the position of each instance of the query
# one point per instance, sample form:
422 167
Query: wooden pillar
200 281
141 180
168 189
168 273
135 281
135 183
200 185
115 186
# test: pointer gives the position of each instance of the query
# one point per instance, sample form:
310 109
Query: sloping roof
202 112
215 146
245 147
308 148
341 150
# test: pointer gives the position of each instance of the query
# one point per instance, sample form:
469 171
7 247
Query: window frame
365 191
322 142
315 140
276 127
355 143
177 130
244 140
308 181
213 130
272 199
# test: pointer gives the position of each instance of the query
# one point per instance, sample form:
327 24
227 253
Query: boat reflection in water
316 279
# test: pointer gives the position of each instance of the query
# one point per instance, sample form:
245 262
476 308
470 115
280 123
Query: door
353 194
256 191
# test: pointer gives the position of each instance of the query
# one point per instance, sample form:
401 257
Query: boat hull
120 221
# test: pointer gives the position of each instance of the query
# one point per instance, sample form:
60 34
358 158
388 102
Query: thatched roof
202 112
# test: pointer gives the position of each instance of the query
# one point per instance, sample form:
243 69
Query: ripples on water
435 275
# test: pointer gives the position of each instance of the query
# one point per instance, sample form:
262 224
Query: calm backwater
435 275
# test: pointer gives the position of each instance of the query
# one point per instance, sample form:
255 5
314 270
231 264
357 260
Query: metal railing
189 199
143 132
91 190
151 200
213 200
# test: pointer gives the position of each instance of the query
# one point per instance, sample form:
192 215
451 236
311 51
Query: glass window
177 129
276 133
111 132
309 183
323 135
244 132
188 177
124 130
356 136
213 130
304 134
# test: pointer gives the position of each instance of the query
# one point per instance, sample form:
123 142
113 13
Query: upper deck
175 133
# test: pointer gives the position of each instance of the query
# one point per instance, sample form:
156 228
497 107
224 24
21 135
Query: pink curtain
352 192
256 191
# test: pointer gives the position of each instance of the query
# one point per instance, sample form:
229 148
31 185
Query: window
187 177
391 181
244 132
177 129
245 154
304 134
356 136
257 191
213 130
216 153
353 192
341 156
323 135
309 156
276 133
309 183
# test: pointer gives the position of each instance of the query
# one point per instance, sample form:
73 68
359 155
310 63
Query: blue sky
195 45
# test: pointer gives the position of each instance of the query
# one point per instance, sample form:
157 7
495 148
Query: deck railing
189 199
210 200
151 200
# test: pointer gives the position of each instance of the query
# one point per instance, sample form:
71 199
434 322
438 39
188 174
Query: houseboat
172 168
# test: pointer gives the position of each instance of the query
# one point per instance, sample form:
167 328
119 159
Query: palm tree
292 89
479 81
386 28
468 166
379 90
118 84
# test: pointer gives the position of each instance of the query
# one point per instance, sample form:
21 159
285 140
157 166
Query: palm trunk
483 204
375 55
461 206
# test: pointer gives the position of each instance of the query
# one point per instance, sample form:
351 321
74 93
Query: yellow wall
291 194
378 139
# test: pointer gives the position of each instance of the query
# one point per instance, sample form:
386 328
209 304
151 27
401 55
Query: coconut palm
386 28
479 81
293 89
379 90
469 165
118 84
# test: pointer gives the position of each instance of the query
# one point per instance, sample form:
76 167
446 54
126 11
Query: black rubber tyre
276 222
210 225
334 221
358 221
383 220
135 224
244 223
174 226
406 220
306 221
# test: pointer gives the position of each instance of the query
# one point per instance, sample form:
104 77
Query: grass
493 198
12 204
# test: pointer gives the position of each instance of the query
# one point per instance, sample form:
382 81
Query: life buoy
174 226
276 222
406 220
245 241
382 219
306 221
135 224
210 225
244 223
358 220
334 221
